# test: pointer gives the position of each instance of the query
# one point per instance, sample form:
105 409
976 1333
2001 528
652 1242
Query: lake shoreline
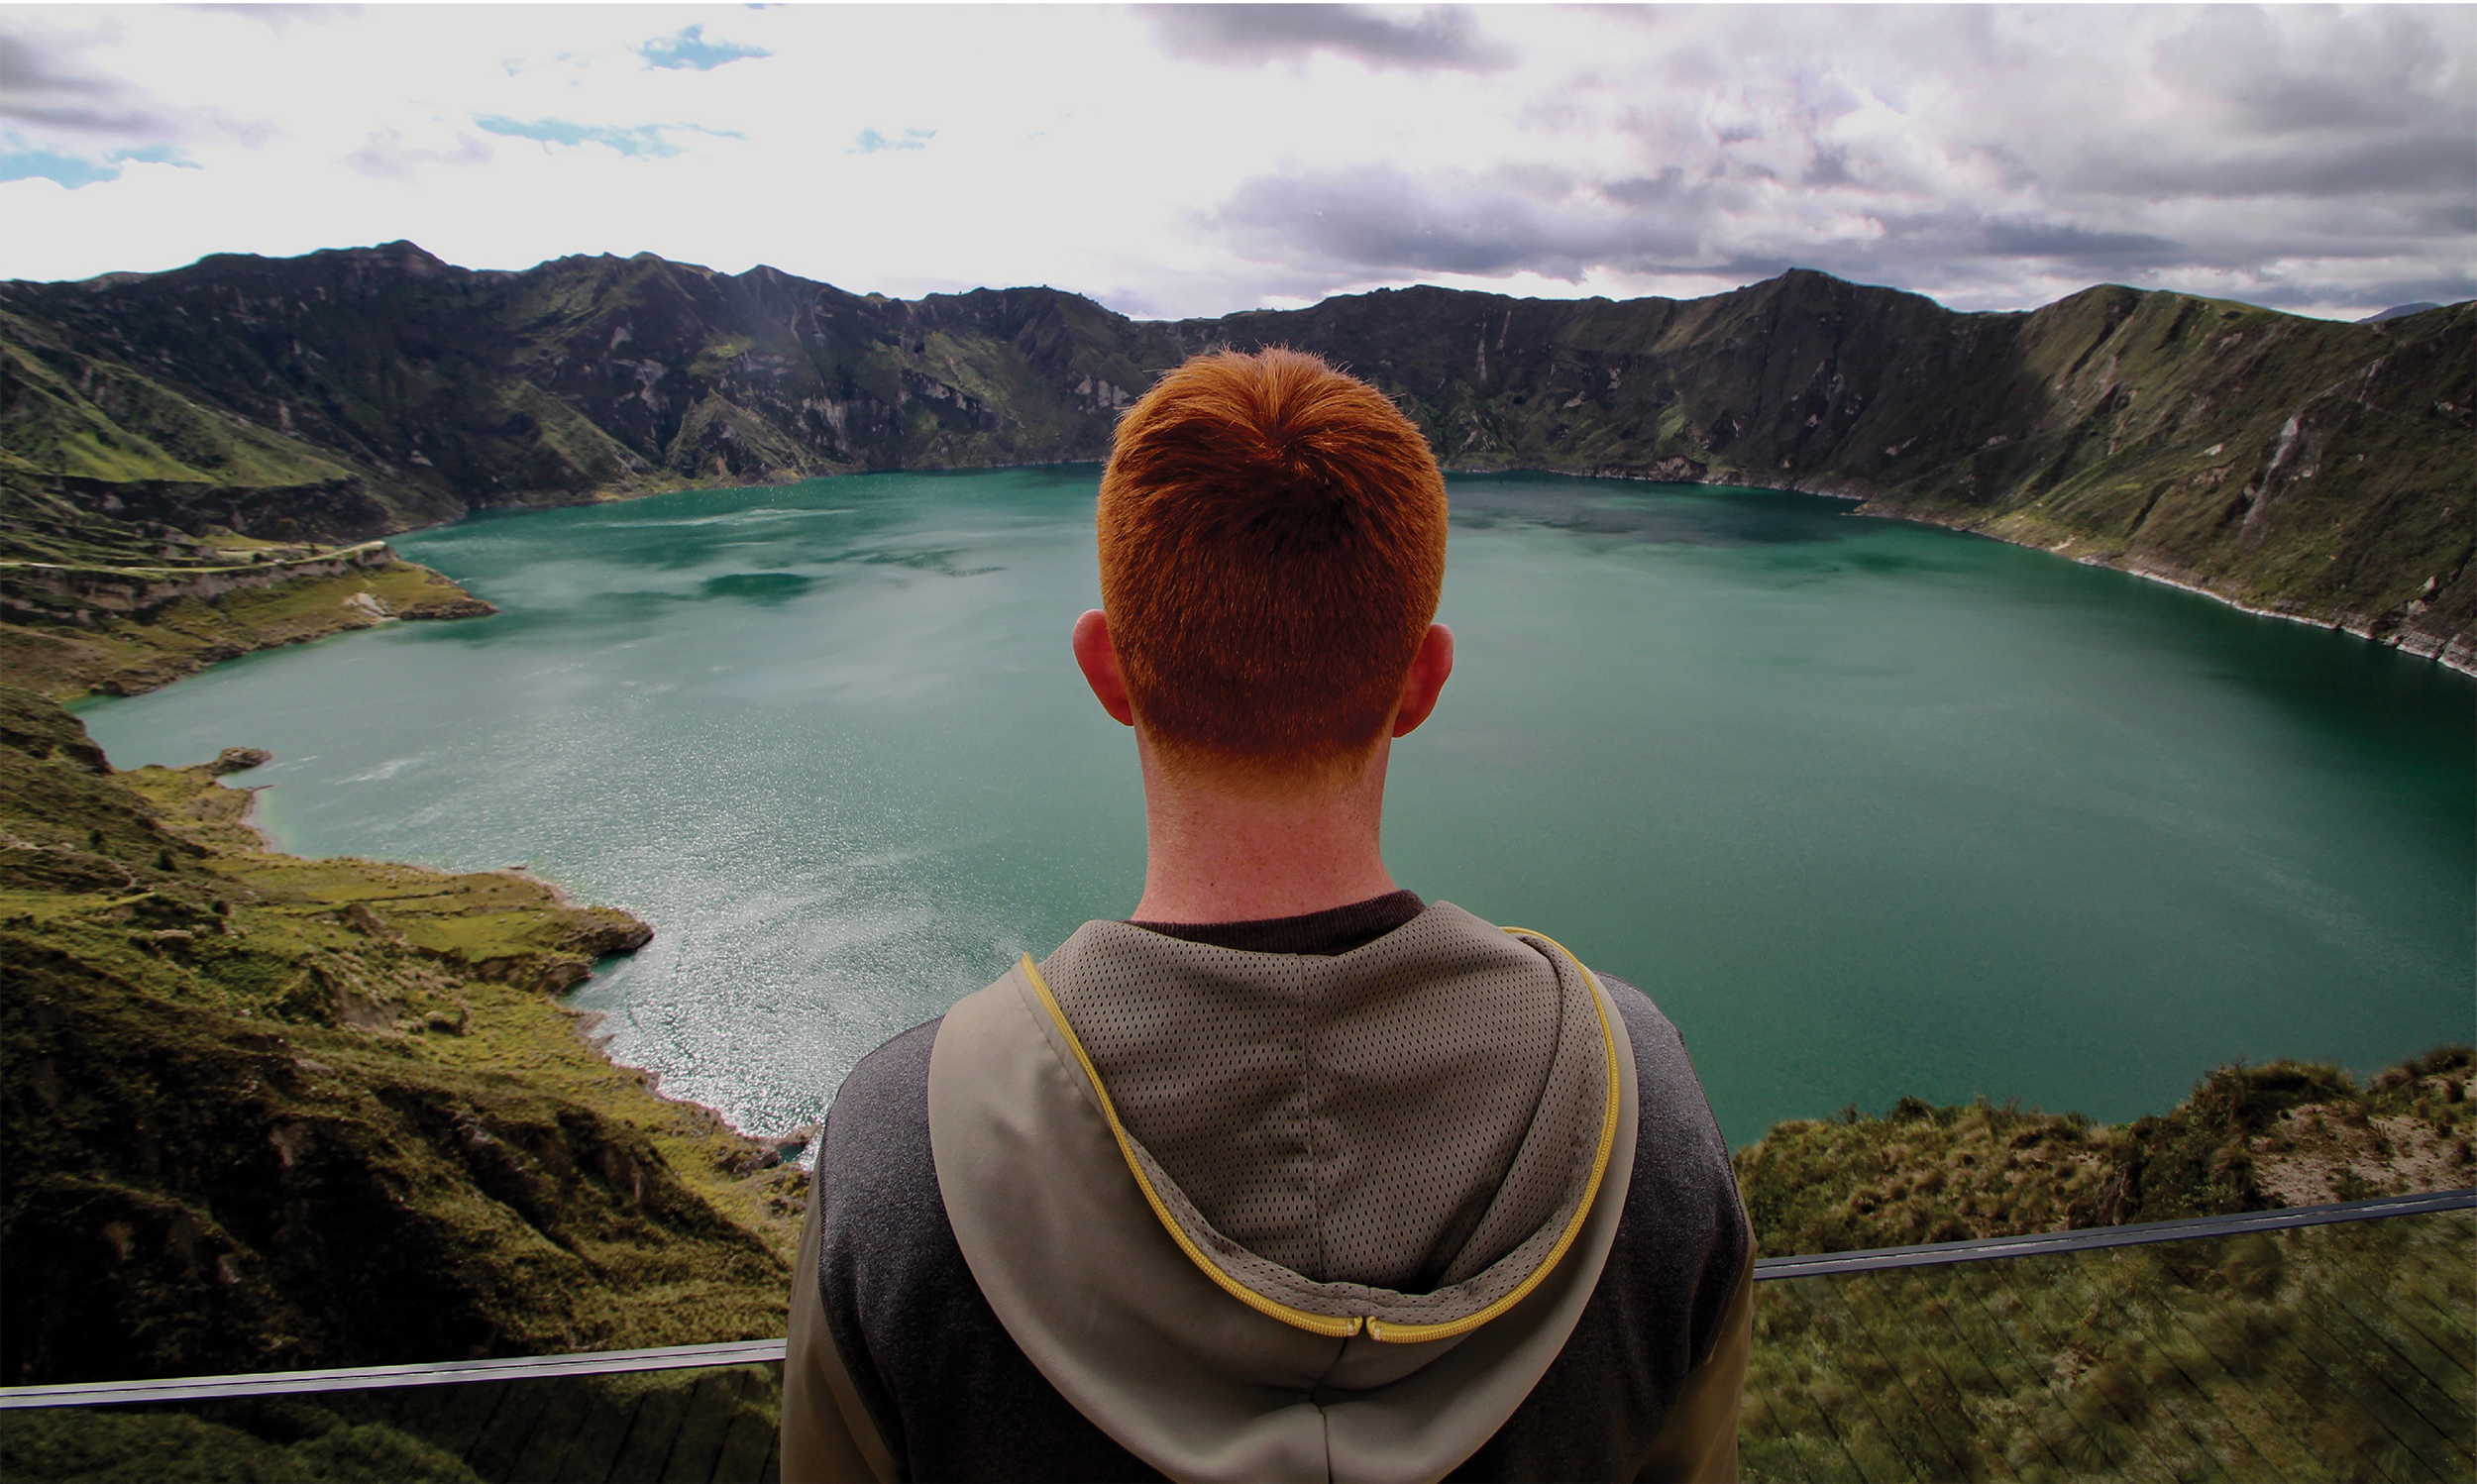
586 1024
305 607
2458 655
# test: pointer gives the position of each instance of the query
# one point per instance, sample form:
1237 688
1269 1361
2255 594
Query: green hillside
2248 1138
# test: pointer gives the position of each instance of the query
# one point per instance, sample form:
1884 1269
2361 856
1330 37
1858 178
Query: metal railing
764 1351
388 1377
2088 1238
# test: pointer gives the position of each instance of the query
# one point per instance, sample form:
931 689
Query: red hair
1272 547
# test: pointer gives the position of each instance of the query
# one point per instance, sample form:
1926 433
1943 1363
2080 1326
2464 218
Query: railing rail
764 1351
382 1377
2037 1244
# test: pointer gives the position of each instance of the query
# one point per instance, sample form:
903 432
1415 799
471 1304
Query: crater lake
1869 809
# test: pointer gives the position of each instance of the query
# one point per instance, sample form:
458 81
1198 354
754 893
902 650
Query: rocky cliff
2319 470
2301 467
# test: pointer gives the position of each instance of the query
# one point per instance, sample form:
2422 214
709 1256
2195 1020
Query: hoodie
1443 1205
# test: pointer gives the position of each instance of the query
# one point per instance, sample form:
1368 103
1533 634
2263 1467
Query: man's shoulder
898 1066
1657 1310
1673 1104
876 1142
1685 1225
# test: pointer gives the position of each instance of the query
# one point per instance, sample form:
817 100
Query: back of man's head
1273 546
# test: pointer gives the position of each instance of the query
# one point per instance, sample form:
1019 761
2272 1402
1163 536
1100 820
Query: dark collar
1332 931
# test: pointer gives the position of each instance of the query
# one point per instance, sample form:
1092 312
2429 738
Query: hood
1273 1216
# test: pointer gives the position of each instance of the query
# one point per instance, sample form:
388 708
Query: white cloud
1428 38
1189 163
689 47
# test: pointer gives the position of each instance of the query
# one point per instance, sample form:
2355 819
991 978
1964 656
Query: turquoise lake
1869 809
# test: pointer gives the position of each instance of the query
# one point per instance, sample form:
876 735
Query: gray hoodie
1446 1203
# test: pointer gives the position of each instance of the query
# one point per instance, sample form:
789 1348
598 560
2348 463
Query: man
1290 1176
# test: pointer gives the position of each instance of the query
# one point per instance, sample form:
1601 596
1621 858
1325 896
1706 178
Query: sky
1199 159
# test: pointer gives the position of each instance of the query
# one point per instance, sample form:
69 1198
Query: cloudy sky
1203 159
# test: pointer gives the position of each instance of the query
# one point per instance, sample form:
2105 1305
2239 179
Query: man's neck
1218 854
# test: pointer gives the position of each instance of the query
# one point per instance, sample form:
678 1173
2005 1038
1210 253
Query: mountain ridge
2304 468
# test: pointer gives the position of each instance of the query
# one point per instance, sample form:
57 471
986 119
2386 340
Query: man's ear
1098 659
1428 670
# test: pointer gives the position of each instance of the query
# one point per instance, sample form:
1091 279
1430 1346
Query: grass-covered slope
67 631
2330 1353
118 434
2318 470
2248 1138
263 1111
265 1443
